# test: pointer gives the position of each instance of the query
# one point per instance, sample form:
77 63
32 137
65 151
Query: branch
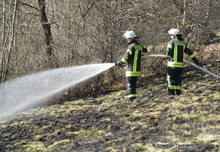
87 11
23 3
177 4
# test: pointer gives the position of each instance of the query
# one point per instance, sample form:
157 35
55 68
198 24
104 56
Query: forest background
37 35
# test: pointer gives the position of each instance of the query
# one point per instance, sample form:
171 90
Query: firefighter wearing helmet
175 50
132 60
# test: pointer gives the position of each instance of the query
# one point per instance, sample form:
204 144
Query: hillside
155 122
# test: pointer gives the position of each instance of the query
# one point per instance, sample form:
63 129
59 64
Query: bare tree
3 40
69 32
48 34
6 53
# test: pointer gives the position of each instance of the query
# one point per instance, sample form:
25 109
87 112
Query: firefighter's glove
118 63
196 61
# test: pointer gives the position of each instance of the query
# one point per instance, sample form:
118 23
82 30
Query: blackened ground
154 122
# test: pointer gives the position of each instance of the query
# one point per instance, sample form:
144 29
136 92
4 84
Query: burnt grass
108 123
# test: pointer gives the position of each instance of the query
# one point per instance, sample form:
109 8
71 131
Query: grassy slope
155 122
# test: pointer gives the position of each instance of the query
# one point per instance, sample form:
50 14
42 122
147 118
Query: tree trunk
208 11
181 9
52 61
184 13
3 40
6 56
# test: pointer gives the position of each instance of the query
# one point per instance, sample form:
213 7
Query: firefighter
132 59
175 50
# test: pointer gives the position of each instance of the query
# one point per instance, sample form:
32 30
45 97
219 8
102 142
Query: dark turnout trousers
174 80
131 87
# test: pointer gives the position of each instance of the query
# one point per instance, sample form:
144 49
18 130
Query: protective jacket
175 50
132 58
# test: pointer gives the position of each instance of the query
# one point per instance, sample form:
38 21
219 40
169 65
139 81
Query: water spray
26 92
187 62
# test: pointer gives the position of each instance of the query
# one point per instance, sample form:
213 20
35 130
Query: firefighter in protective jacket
132 59
175 51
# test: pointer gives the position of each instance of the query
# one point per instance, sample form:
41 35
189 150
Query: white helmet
129 34
174 32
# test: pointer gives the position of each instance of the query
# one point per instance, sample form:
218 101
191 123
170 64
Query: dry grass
155 122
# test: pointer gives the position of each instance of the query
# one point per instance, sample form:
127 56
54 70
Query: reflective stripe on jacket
175 51
132 58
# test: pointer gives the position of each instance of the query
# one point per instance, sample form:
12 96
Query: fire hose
187 62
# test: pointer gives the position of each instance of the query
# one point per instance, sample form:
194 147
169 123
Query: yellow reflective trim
171 87
131 95
177 42
192 56
123 60
144 53
175 64
175 53
178 88
138 47
174 87
184 48
135 62
134 74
